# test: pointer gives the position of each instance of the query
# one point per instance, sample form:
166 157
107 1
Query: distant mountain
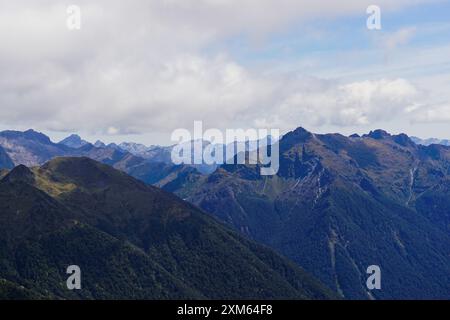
30 147
74 141
99 144
137 149
152 153
339 204
427 142
5 160
163 155
130 240
151 165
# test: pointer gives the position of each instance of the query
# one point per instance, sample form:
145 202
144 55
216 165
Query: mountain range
131 241
337 205
429 141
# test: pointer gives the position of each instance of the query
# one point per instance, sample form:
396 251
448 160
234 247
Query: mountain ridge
325 196
130 239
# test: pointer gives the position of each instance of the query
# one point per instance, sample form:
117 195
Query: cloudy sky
137 70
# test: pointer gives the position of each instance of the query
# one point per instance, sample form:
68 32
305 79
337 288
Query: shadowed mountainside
131 240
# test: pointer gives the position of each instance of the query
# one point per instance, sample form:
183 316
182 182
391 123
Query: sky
138 70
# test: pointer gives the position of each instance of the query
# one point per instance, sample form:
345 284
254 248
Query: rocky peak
404 140
29 135
99 144
73 141
37 136
292 138
378 134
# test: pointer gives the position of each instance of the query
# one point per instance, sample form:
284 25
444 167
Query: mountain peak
134 148
37 136
300 134
292 138
378 134
99 144
404 140
401 139
73 141
113 146
301 130
84 171
74 136
20 173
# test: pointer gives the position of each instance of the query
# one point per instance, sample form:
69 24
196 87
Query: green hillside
130 241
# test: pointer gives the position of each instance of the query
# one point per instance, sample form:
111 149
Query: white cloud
351 104
438 113
148 66
398 38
